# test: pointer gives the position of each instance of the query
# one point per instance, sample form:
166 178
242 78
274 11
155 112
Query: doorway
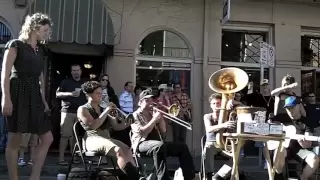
59 69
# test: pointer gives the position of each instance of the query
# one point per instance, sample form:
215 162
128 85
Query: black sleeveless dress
28 111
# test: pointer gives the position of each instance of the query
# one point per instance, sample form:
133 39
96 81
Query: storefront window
164 43
150 74
310 51
242 46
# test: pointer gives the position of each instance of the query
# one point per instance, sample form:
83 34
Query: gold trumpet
173 112
118 114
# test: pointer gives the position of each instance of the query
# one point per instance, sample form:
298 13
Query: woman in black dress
23 102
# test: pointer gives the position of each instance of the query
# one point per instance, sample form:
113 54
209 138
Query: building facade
184 41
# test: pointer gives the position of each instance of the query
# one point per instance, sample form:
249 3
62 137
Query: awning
77 21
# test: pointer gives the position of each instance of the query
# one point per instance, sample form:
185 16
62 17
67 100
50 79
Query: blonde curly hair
32 23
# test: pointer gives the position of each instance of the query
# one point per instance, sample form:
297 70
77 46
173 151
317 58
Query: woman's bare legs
12 151
41 154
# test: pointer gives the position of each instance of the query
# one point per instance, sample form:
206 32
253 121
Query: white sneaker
21 162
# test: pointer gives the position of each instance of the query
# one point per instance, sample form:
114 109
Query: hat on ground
290 101
163 86
264 82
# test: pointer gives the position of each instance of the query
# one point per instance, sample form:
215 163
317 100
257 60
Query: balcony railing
166 52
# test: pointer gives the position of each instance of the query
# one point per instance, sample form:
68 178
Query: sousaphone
226 81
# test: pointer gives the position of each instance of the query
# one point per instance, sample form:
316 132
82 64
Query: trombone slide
175 119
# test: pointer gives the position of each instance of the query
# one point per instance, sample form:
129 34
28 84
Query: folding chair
79 150
136 156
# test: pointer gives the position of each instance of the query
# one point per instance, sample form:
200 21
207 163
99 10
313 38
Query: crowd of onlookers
71 98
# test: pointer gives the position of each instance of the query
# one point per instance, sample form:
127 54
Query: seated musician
97 123
297 149
212 126
146 139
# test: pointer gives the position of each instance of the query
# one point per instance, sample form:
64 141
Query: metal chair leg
71 162
114 167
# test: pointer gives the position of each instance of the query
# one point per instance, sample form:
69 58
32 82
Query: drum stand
240 139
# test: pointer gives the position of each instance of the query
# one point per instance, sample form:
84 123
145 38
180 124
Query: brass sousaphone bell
226 81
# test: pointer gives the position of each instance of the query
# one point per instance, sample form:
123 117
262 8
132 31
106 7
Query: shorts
104 145
66 124
29 140
299 155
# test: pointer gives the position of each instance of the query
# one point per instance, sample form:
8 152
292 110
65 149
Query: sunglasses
104 80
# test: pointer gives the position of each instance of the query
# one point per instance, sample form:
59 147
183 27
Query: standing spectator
162 96
28 141
70 93
108 93
126 105
3 125
182 99
313 113
126 98
137 91
263 99
3 131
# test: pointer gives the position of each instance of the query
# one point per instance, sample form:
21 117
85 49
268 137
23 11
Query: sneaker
21 162
30 162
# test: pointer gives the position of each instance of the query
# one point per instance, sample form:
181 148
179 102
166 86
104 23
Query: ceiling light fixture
87 66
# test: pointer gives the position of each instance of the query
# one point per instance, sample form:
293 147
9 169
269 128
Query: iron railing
5 34
310 51
242 46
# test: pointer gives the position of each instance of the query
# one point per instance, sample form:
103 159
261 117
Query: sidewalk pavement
50 170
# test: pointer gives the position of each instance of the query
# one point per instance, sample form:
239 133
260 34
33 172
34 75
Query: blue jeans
3 132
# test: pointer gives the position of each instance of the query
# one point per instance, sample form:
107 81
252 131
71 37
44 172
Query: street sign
271 56
264 53
267 53
225 12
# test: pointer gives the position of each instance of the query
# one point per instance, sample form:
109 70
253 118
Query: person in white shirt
126 105
126 98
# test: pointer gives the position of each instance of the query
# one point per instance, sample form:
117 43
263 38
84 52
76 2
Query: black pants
160 151
179 133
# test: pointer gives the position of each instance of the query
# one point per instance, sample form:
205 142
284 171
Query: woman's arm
115 125
8 60
84 116
42 89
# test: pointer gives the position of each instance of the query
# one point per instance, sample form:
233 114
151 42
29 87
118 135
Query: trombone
118 114
173 112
